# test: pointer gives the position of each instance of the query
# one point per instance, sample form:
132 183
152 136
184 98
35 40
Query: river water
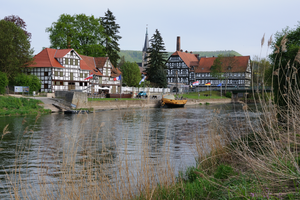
171 131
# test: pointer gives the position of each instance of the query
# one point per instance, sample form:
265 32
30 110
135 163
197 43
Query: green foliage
15 51
3 82
228 94
285 60
80 32
223 171
32 81
261 72
157 58
111 29
131 74
206 103
20 106
216 68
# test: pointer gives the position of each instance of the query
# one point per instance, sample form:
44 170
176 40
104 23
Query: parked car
142 94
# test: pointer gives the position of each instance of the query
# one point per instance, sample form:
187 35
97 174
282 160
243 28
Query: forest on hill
136 56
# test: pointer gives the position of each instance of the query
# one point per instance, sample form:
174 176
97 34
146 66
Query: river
34 142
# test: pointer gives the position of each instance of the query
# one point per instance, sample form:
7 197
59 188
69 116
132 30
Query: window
80 83
85 75
45 73
61 74
106 72
66 61
46 86
76 62
81 75
85 84
71 61
57 83
55 73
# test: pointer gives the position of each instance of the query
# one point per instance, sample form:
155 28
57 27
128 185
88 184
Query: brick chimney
178 44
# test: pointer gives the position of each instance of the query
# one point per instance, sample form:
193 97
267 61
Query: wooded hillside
136 56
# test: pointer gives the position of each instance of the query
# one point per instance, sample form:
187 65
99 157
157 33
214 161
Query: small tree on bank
157 58
285 59
3 82
32 81
131 74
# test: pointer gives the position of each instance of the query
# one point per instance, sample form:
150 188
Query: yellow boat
171 101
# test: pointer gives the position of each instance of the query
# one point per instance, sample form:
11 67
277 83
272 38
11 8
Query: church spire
145 49
146 45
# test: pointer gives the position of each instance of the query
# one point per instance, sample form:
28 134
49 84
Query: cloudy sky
208 25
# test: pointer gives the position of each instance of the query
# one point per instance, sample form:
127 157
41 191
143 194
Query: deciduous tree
15 51
157 58
131 74
3 82
19 22
111 30
83 33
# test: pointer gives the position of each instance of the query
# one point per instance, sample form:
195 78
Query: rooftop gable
46 59
186 57
88 63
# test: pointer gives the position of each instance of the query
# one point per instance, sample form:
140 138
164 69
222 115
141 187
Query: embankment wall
97 105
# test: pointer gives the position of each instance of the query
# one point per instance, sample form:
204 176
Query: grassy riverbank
204 95
20 106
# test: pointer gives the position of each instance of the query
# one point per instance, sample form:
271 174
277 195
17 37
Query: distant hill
136 56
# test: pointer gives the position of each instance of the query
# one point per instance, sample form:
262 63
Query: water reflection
106 136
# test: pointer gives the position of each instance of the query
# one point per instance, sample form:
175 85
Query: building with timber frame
65 69
236 70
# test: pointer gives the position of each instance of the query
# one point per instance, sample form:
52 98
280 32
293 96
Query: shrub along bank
20 106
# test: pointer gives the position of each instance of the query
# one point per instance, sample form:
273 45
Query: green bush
3 82
228 94
32 81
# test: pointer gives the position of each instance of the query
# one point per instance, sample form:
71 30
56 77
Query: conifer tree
157 61
111 29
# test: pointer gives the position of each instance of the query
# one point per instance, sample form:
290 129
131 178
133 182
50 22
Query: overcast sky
208 25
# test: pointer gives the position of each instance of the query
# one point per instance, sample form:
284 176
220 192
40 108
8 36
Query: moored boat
171 101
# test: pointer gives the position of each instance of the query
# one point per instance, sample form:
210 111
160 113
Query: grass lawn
194 95
112 99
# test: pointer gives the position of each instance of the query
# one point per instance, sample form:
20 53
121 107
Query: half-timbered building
65 69
187 68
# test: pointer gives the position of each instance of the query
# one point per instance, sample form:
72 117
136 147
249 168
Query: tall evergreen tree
157 61
111 29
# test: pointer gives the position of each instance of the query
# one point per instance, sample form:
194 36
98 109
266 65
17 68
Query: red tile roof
62 52
46 59
186 57
237 64
100 61
88 63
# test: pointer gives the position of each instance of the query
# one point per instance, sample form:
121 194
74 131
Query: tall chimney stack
178 43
